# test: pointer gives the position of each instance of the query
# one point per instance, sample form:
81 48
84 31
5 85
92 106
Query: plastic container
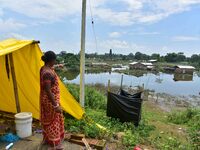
23 122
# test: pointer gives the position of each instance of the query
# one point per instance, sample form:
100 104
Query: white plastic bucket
23 122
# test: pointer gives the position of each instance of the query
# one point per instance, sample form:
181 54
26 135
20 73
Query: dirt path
34 143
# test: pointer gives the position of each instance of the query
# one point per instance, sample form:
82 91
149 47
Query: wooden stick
14 83
108 85
143 87
86 144
36 42
122 81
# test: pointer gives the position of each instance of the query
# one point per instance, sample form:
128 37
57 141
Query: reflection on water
68 75
183 77
159 82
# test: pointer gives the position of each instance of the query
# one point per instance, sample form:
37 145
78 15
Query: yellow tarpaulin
27 64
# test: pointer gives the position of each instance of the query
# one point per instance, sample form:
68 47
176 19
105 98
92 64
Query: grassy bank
157 130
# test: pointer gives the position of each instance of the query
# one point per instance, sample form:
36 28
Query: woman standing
51 113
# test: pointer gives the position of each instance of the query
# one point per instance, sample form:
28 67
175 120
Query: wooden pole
121 81
82 53
143 87
36 42
108 85
14 83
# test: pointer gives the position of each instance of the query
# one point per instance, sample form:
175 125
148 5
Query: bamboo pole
108 85
121 81
36 42
14 83
82 53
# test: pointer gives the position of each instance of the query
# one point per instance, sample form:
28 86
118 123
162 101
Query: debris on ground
78 139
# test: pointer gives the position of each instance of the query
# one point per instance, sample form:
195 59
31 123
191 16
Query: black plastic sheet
124 106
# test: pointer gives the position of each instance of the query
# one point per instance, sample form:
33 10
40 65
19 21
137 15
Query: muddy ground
34 143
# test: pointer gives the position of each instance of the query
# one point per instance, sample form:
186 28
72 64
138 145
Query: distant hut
136 65
117 65
141 66
184 69
153 60
101 65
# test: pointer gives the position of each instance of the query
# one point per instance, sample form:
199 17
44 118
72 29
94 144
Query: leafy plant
93 98
190 117
96 111
182 117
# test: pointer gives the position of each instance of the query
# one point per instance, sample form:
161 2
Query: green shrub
93 98
131 139
170 143
74 126
134 136
182 117
93 131
194 130
191 118
112 126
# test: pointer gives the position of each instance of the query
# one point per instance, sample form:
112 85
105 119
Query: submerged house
183 77
100 65
141 66
184 69
153 61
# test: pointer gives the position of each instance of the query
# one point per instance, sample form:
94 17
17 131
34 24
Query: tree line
72 60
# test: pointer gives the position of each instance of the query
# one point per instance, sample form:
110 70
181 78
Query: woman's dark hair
48 56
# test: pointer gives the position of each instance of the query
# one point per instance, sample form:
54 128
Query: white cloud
113 17
185 38
115 34
10 25
131 11
134 4
43 9
143 11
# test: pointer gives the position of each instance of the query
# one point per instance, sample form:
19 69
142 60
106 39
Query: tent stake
14 83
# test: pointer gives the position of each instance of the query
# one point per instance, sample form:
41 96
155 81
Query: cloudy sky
148 26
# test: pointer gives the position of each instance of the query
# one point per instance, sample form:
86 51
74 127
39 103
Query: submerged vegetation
157 130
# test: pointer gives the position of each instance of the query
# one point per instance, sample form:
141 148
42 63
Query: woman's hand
58 109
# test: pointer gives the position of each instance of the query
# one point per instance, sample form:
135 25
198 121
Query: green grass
157 130
190 118
132 137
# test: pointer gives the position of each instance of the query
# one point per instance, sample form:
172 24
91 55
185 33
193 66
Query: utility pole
82 54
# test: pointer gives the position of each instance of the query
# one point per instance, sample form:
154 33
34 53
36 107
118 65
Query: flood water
177 85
